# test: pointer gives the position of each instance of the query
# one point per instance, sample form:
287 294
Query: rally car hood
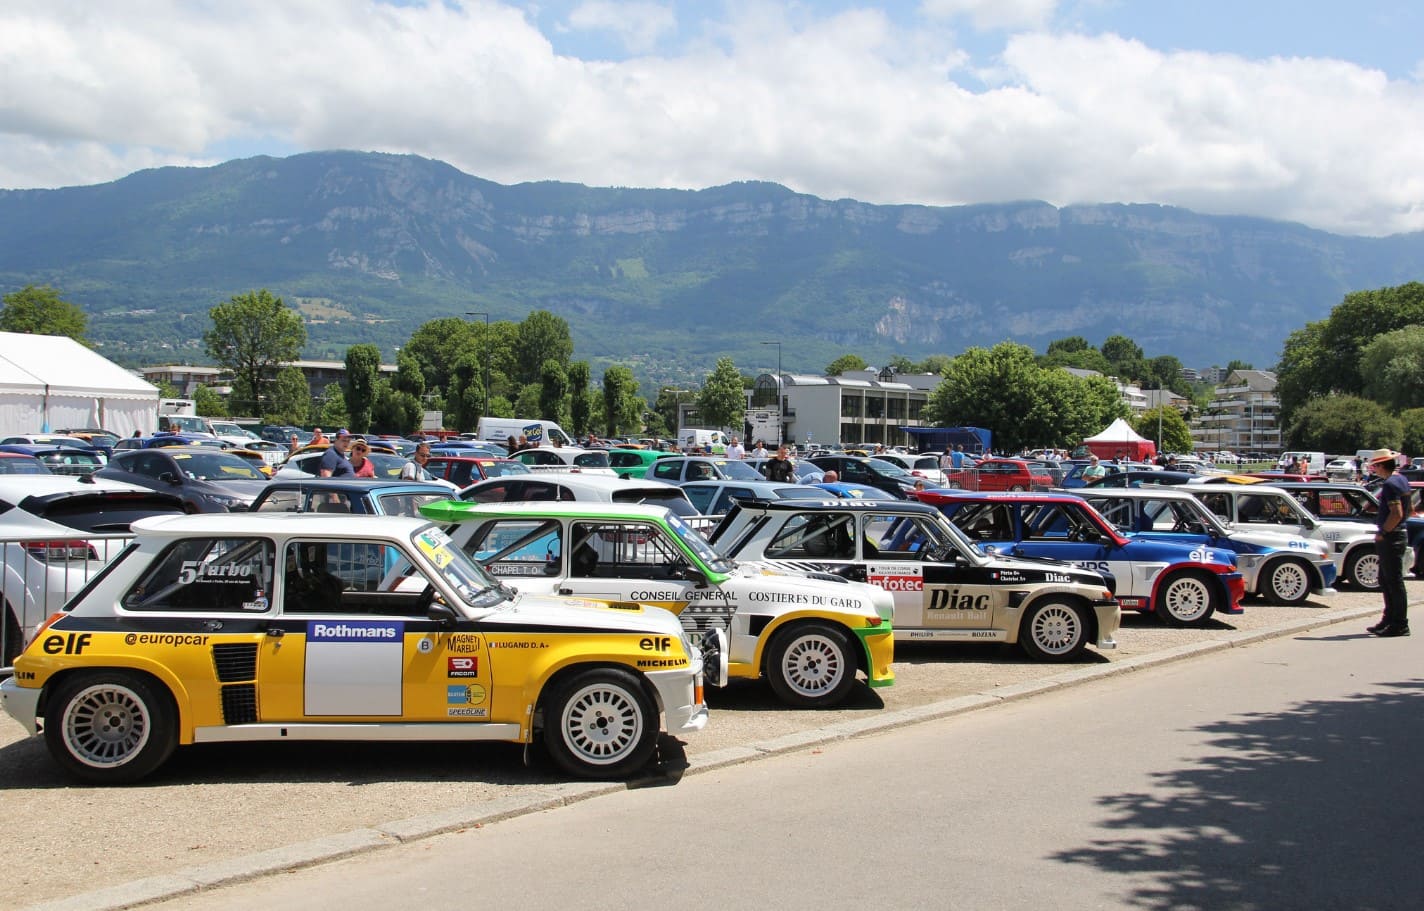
553 612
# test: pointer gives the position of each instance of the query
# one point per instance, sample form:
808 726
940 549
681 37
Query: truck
537 432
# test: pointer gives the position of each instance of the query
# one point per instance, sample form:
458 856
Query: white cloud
993 14
844 105
639 26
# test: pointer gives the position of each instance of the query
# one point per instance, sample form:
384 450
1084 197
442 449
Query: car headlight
232 504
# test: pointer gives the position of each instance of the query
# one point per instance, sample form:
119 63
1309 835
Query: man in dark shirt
334 463
1391 541
778 467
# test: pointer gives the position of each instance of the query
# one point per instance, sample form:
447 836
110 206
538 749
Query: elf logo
72 644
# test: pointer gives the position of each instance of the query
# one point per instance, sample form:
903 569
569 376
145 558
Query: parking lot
220 802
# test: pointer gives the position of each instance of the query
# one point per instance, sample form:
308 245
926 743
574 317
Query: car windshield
501 468
476 588
739 470
406 504
672 499
694 542
216 466
22 464
890 469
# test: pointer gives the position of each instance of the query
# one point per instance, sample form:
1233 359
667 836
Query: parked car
351 496
54 440
1333 501
463 471
924 467
1073 478
944 588
871 472
807 637
1183 584
64 460
159 440
676 469
632 463
56 532
1282 568
590 488
387 467
566 458
1351 543
1007 474
805 471
206 480
21 463
221 628
1135 478
716 498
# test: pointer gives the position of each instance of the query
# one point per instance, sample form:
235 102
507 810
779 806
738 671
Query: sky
1309 111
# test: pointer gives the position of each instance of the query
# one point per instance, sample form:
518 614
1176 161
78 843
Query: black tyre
1286 581
811 665
110 727
1053 630
599 723
1362 568
1187 598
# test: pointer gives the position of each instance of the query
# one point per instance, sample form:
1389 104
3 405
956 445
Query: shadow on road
1317 807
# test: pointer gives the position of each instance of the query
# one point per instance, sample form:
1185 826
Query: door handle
276 632
566 591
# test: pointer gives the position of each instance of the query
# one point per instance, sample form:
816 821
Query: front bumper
879 644
1109 620
21 703
677 691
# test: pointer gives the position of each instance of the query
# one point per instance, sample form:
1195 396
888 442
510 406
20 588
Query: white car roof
571 508
583 486
14 488
279 524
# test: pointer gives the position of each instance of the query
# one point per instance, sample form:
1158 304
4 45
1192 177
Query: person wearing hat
334 463
1391 541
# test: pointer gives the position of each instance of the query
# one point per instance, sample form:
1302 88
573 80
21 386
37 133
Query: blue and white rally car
1283 568
1184 584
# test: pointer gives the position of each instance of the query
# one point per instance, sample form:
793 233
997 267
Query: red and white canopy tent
1119 440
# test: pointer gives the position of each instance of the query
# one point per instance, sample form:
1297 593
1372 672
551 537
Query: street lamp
780 423
485 412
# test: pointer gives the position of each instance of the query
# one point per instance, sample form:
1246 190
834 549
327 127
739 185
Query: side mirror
169 478
442 614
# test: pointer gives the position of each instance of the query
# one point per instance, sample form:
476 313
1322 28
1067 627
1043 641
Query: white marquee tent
49 382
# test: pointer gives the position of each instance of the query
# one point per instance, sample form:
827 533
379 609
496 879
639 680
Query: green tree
553 390
935 363
252 335
1342 423
1005 390
1165 372
465 398
1075 352
208 403
1233 365
291 401
666 406
581 415
1412 424
436 345
1073 344
721 401
409 378
1175 435
363 369
331 408
1393 368
1124 357
167 390
845 363
395 411
620 392
541 337
38 310
1325 357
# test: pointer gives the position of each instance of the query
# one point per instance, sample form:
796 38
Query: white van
1315 461
538 433
696 439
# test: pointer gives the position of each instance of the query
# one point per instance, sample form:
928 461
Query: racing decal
522 644
354 667
258 603
956 599
170 639
655 643
425 646
896 577
72 644
193 571
462 666
464 701
463 643
654 663
518 569
1007 575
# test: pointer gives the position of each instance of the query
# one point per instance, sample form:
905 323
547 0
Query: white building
862 406
1244 415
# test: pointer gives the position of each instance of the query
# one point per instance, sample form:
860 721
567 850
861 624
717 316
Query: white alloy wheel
1053 631
1186 599
811 665
1287 582
600 724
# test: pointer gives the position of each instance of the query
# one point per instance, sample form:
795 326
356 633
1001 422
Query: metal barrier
41 575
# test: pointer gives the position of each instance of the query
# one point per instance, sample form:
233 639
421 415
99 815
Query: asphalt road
1277 775
215 805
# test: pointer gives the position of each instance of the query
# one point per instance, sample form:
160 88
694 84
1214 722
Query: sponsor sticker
354 631
462 694
462 666
425 646
463 643
174 640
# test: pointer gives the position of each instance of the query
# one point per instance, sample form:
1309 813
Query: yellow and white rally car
250 627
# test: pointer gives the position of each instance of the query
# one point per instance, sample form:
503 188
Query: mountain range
369 246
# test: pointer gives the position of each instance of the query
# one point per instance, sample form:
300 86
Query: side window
1121 514
701 498
669 470
226 575
333 577
1256 510
987 522
281 501
622 550
496 493
724 502
542 490
519 547
815 536
896 537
